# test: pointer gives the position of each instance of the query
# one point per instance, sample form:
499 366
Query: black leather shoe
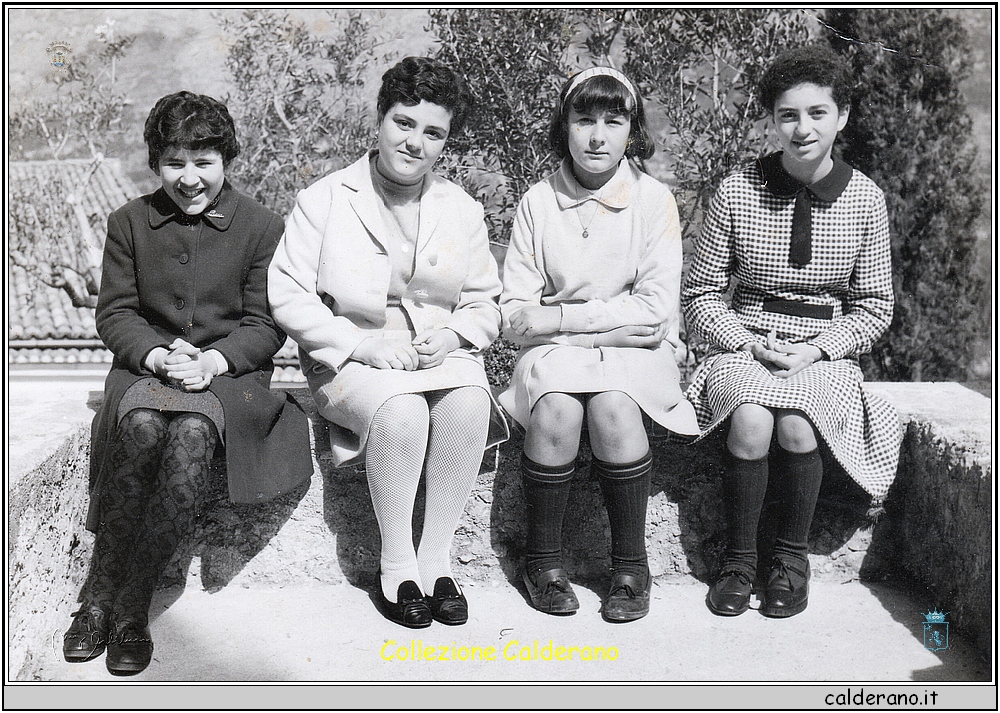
729 595
787 590
87 636
628 597
410 608
448 605
551 592
130 648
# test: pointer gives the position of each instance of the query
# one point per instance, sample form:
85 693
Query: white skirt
862 431
350 397
648 376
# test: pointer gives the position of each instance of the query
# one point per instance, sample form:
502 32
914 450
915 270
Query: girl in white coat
385 280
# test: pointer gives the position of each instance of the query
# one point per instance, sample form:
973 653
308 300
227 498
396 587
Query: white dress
625 272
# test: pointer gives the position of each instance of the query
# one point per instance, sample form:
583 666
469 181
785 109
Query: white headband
602 72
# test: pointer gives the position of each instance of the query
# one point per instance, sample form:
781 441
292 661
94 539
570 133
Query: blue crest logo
59 53
935 630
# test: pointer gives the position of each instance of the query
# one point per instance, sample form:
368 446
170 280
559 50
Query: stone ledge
937 529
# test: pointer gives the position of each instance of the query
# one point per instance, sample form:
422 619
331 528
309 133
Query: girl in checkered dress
592 296
806 238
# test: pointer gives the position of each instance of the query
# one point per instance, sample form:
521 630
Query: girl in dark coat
183 307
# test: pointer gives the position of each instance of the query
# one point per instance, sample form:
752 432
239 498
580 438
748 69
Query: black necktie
782 185
800 251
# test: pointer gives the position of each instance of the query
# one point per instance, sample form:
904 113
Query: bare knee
795 432
750 431
617 434
553 432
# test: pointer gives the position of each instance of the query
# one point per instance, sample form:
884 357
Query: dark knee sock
801 476
626 491
546 491
127 485
743 489
169 517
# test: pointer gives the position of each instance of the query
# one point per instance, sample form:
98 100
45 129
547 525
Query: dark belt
798 309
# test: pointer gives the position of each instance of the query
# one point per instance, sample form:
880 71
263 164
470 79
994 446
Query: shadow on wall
685 522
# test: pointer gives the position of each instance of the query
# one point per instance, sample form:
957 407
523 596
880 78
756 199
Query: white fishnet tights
448 430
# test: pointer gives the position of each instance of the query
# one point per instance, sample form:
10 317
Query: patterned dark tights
155 480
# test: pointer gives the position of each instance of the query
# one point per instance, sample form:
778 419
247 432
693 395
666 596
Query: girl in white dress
591 295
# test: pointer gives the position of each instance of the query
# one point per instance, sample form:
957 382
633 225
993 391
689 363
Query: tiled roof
44 223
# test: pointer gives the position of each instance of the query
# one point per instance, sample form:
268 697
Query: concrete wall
937 529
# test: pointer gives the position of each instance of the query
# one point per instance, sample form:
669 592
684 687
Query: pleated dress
840 301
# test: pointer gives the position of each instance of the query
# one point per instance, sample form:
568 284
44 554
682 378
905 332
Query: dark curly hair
601 93
190 121
420 78
814 64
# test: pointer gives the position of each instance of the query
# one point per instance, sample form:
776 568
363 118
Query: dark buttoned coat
207 284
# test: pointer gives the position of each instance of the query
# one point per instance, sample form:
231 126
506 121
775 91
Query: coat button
184 259
179 304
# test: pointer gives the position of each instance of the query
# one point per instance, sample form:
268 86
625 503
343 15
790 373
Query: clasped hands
783 359
427 349
185 364
533 321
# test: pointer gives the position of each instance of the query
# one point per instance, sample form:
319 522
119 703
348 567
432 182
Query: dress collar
616 193
783 185
219 215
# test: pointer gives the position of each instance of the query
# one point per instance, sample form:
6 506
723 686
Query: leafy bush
84 117
515 63
299 103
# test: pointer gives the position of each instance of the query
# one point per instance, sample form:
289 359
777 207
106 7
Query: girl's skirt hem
349 398
862 431
648 376
154 394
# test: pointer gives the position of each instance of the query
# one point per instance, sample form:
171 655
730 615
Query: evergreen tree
910 132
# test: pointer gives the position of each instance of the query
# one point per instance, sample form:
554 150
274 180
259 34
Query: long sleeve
292 284
708 280
524 284
869 296
476 317
121 321
251 345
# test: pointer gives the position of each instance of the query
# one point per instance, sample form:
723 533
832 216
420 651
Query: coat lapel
363 198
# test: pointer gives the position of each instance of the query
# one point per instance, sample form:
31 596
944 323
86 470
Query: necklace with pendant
597 209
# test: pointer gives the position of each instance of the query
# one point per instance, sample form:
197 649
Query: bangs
193 132
601 93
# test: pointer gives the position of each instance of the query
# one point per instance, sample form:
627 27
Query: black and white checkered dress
746 235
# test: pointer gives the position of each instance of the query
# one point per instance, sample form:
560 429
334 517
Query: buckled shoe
410 608
448 605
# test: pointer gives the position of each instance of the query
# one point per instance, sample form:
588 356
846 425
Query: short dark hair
416 79
601 93
190 121
812 63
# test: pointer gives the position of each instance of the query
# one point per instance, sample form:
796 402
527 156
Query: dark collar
783 185
219 216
